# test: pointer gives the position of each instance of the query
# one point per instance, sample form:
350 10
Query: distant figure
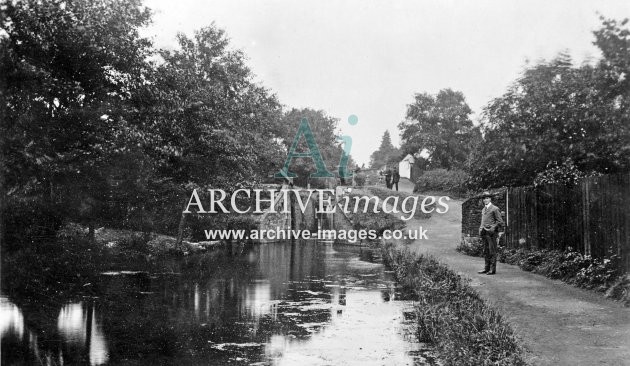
395 178
491 221
388 178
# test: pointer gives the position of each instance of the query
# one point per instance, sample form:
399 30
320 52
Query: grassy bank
602 275
451 315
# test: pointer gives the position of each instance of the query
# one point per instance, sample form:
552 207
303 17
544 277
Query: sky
369 57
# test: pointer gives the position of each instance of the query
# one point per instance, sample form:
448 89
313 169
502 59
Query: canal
300 303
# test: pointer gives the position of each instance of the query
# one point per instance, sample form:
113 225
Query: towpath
558 324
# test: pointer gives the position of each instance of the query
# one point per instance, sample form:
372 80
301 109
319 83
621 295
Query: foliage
386 153
324 129
472 246
559 112
566 173
217 127
569 266
451 315
104 129
442 180
440 124
70 70
360 179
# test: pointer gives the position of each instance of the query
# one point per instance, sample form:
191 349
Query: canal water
301 303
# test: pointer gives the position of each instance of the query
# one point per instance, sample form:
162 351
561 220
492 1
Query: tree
557 112
324 129
70 67
96 133
217 128
441 125
386 152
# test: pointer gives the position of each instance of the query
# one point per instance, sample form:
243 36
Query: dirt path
558 324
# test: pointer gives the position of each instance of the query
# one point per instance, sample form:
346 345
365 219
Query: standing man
491 221
388 177
395 178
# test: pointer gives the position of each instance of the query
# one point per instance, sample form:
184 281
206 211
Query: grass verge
451 315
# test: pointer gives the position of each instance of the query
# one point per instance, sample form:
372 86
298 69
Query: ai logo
313 152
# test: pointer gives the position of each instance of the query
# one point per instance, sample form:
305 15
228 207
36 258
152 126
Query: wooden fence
592 217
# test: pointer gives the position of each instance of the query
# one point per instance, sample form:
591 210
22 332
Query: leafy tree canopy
558 112
440 124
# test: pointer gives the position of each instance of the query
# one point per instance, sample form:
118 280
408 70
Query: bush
442 180
471 246
135 242
566 173
360 179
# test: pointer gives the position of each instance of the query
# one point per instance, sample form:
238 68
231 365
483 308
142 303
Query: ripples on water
270 304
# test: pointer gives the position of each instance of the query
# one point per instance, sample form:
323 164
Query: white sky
369 57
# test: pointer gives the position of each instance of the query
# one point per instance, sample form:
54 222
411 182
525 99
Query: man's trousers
489 241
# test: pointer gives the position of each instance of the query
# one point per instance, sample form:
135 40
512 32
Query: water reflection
277 303
11 319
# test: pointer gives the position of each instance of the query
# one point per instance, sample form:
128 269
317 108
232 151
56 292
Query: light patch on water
312 292
369 329
11 318
223 346
118 273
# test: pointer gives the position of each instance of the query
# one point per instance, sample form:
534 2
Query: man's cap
486 194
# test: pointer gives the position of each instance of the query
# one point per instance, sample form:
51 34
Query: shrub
620 290
532 260
600 274
472 246
135 242
566 173
360 179
442 180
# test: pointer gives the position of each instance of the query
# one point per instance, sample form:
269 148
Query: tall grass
451 315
